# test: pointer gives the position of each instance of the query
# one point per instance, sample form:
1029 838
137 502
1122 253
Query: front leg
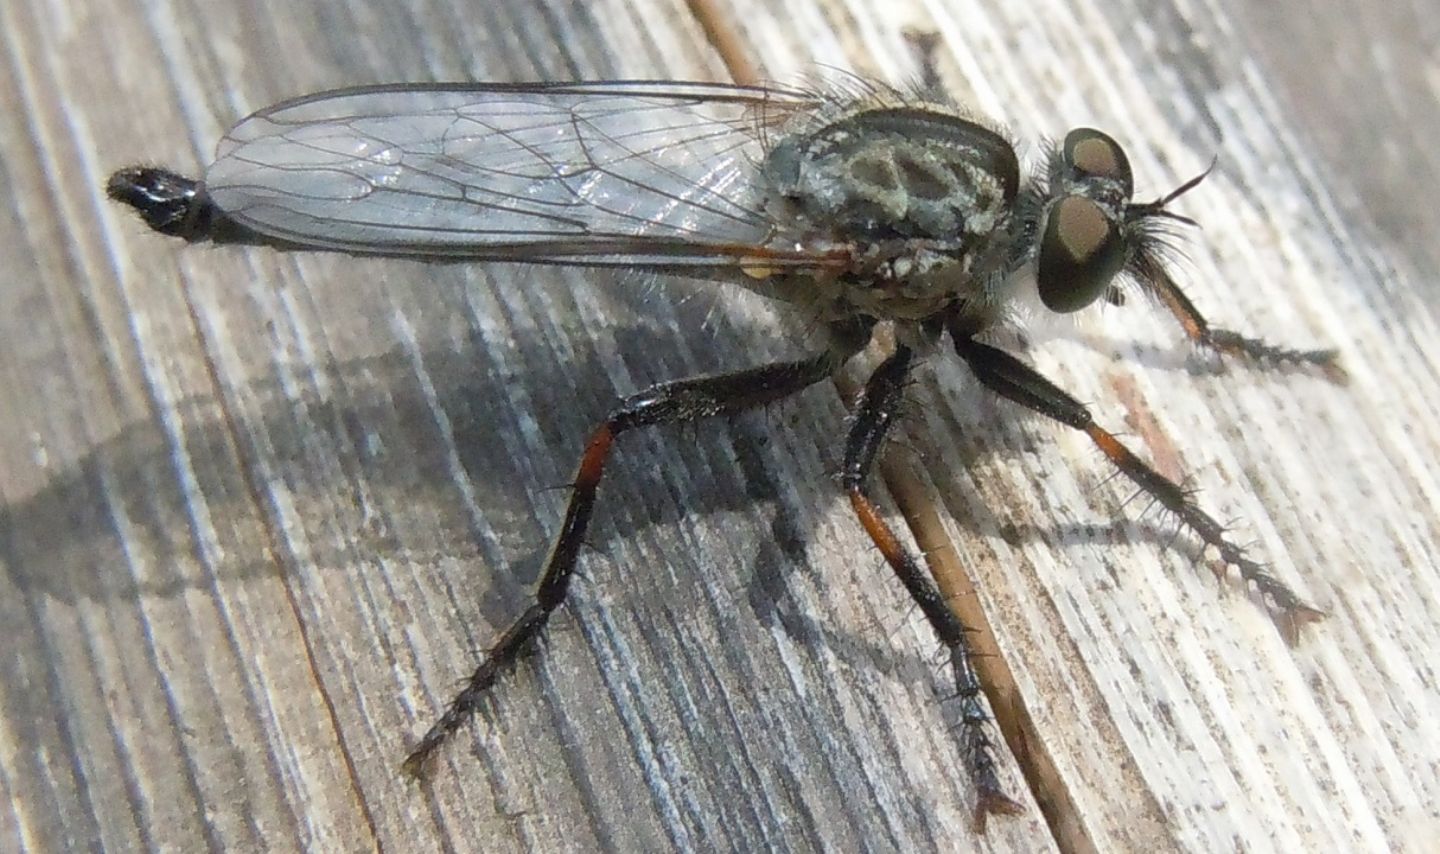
1157 280
1012 379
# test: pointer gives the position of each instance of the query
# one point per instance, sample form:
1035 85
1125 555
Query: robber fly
861 206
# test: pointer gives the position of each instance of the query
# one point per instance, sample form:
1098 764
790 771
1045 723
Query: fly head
1087 228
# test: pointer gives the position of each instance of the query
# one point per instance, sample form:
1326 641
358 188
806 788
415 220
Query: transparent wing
622 173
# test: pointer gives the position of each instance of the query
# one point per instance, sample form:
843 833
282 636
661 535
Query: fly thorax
903 172
921 197
909 281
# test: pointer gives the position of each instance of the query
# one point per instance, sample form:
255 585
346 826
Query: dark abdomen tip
169 203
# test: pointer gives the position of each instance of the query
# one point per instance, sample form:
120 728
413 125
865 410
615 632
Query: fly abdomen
178 206
168 202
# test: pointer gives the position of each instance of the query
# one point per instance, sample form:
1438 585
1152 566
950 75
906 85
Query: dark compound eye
1092 154
1080 252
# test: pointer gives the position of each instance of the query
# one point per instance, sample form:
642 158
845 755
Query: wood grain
262 511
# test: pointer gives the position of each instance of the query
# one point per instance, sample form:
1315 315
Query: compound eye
1092 154
1080 252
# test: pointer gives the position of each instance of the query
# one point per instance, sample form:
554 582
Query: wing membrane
616 173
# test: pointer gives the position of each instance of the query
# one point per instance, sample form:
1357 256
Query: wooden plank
261 511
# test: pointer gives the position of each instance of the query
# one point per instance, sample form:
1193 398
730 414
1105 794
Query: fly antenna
1157 207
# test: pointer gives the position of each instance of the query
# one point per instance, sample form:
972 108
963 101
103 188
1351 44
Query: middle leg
874 417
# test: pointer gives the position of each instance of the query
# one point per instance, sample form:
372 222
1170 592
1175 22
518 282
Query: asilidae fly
859 206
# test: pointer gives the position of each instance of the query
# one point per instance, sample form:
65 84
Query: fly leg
665 403
873 418
1012 379
1224 341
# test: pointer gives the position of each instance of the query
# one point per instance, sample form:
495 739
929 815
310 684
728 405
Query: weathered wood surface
261 511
